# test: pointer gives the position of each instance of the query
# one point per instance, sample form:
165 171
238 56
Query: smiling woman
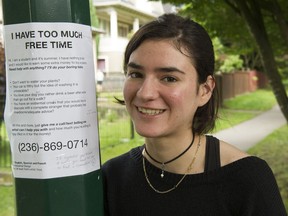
155 84
169 93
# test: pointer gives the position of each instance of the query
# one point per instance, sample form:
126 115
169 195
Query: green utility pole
53 194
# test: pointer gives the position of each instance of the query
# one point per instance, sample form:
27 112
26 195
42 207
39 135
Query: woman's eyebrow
169 69
134 65
159 69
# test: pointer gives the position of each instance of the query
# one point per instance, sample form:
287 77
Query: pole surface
79 195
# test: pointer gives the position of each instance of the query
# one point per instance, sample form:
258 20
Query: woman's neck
166 149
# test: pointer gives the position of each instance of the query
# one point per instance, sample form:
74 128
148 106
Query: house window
123 30
105 25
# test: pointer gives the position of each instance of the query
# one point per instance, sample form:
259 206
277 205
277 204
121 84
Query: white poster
50 112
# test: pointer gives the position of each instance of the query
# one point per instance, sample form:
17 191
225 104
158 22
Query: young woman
169 92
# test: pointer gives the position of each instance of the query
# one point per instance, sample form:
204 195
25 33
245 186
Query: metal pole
45 193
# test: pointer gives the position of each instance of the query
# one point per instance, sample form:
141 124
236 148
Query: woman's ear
206 90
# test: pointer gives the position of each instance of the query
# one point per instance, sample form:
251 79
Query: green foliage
229 39
94 19
218 47
283 69
222 22
5 156
94 23
231 63
223 19
219 52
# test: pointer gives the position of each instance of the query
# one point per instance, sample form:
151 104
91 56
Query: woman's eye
134 75
169 79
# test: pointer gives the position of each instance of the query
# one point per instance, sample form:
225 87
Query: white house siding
119 19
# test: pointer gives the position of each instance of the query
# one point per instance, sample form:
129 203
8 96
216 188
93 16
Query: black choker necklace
169 161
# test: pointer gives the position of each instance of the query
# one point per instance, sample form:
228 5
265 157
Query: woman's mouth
150 111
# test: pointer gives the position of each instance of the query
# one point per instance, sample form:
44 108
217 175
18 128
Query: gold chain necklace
179 182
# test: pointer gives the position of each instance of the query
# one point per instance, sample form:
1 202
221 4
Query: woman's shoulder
230 154
123 159
117 169
232 157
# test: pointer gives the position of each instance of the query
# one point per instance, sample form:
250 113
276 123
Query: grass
115 138
115 133
259 100
228 118
113 151
7 201
244 107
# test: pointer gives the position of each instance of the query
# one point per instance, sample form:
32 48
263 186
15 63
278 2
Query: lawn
260 100
7 201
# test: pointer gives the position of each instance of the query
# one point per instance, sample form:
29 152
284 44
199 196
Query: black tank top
212 155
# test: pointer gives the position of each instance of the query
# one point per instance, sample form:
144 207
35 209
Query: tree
93 16
252 13
261 18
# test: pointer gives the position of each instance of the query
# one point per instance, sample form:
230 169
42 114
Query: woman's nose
148 89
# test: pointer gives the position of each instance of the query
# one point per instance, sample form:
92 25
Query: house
119 19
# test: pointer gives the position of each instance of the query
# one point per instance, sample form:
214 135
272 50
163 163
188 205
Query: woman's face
161 91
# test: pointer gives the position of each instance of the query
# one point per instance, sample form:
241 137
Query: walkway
250 132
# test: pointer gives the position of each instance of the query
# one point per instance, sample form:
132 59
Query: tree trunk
251 12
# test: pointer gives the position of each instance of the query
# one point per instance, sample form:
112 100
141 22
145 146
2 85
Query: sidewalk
249 133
